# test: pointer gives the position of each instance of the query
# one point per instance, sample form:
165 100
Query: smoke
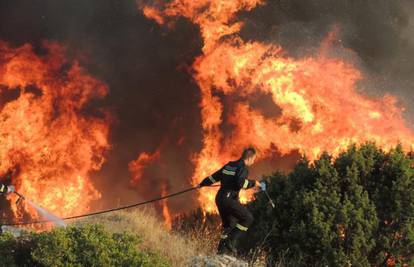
152 94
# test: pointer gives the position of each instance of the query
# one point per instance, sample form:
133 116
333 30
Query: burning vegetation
207 90
315 100
49 143
250 92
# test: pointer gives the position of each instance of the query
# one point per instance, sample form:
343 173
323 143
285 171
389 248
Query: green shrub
91 245
356 209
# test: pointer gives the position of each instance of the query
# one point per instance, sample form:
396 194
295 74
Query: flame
45 134
165 210
136 167
321 108
213 17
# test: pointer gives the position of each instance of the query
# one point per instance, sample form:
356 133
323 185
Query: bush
178 248
91 245
357 209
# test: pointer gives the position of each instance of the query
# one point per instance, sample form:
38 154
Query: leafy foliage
91 245
356 209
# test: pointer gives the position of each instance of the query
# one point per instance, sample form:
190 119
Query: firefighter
5 189
236 218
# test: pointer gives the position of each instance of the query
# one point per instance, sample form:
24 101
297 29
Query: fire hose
21 197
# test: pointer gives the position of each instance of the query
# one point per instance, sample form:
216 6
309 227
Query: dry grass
177 248
180 248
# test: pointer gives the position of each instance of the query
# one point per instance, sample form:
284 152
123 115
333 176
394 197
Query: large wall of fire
108 102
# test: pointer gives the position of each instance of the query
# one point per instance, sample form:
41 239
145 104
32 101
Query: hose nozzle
21 197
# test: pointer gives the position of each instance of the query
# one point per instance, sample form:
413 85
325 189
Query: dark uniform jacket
233 177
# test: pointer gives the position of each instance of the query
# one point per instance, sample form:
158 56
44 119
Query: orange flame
165 210
136 167
44 131
317 98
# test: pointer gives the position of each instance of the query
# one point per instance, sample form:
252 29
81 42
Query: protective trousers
236 219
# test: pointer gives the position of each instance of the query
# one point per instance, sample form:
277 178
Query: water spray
41 211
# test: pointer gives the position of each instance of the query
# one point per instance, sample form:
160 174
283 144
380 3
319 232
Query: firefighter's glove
203 183
10 189
262 185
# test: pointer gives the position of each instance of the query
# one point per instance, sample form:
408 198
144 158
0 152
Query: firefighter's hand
10 189
262 185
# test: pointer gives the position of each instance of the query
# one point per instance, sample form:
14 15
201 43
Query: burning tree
356 209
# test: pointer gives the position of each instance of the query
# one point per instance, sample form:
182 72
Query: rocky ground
217 261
